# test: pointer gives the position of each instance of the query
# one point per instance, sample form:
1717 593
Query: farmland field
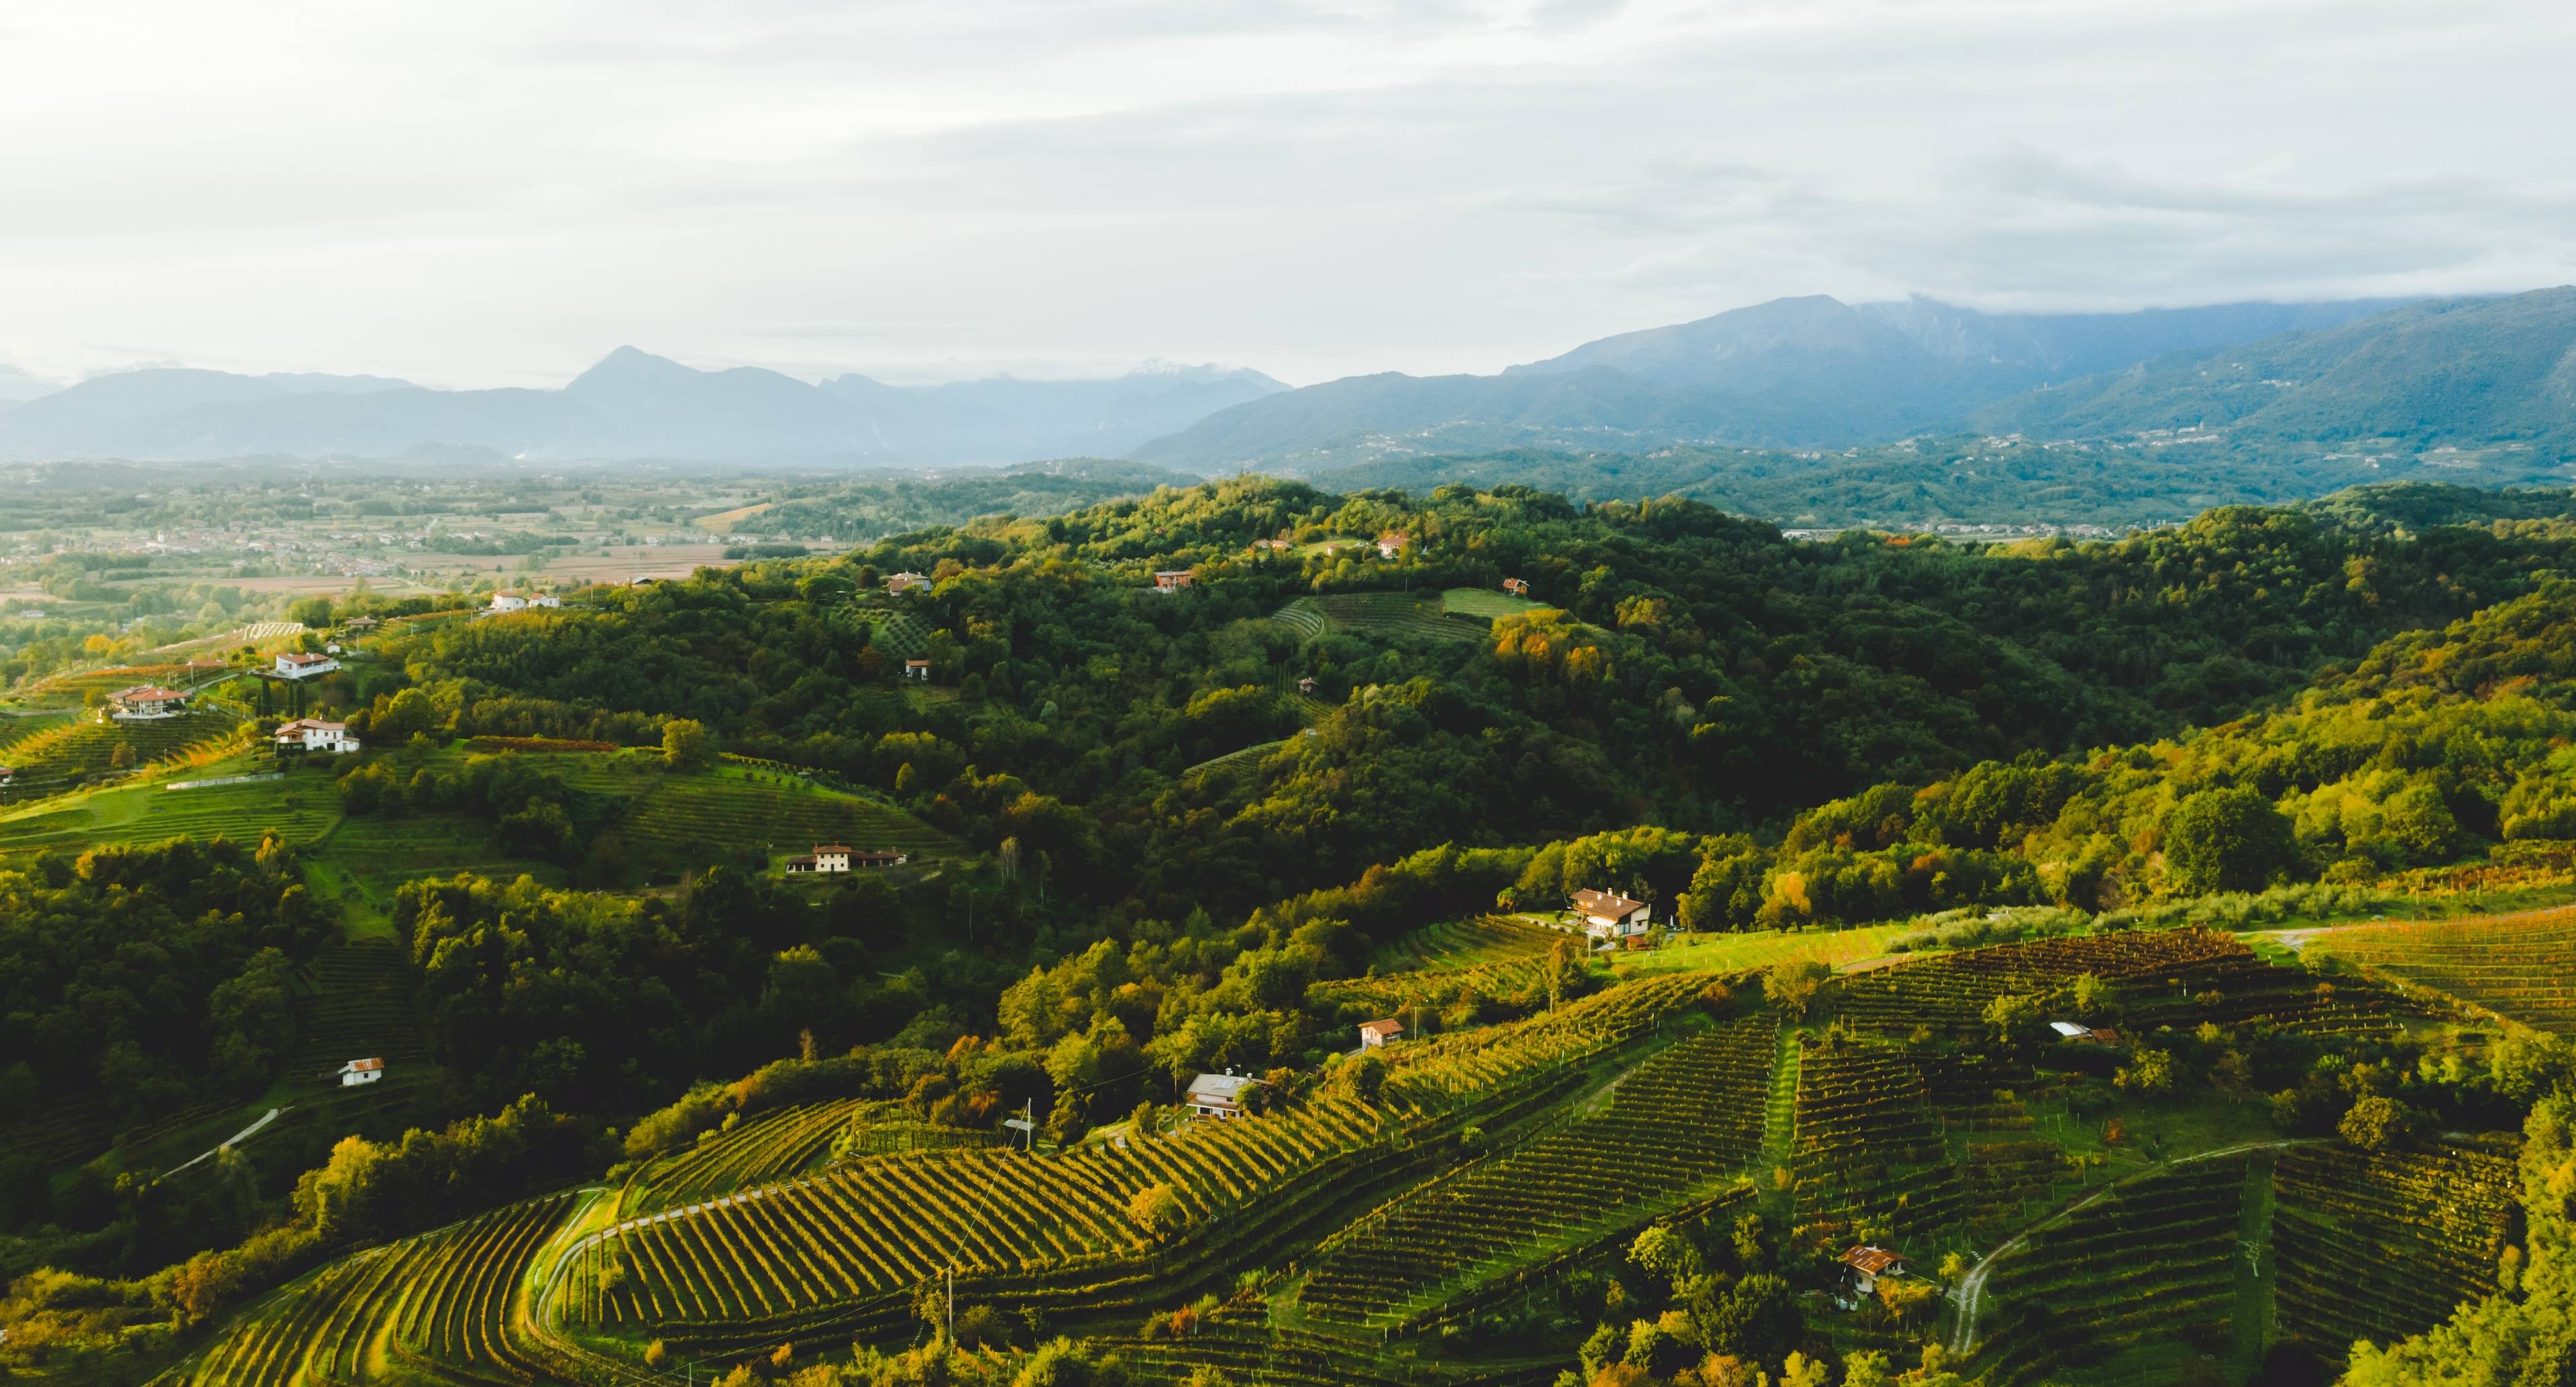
1485 604
2522 967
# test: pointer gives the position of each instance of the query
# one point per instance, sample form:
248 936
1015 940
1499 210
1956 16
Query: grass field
303 808
1485 604
1763 948
695 818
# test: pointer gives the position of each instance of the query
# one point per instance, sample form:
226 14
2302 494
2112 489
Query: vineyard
1336 1240
900 635
2517 966
2378 1246
1688 1117
698 817
2146 1267
1382 615
1869 1145
449 1303
66 755
1465 944
766 1149
2176 977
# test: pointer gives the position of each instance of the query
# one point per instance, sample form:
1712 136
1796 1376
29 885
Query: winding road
1970 1294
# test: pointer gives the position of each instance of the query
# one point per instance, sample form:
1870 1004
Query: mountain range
631 405
1797 373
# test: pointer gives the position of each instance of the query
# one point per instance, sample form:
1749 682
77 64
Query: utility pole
951 1299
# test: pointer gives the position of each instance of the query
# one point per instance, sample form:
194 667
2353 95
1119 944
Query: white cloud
497 194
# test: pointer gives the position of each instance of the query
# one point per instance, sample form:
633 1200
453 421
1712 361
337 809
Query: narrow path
1970 1294
1780 1110
235 1139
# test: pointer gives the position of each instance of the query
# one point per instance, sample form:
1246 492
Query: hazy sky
490 194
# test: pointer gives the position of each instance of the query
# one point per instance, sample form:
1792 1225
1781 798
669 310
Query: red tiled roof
1871 1260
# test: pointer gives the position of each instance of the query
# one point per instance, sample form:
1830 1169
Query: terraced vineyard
884 1223
358 1006
2522 967
900 635
699 816
448 1305
2178 977
762 1151
2131 1271
1869 1145
1683 1122
2378 1246
15 728
1385 615
1465 944
71 754
1342 1241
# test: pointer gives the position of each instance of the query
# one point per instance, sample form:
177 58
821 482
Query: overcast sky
497 194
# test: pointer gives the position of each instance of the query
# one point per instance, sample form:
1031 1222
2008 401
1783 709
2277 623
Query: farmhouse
1306 685
1392 543
1376 1033
313 734
1517 587
521 601
902 583
2089 1035
916 669
360 625
1862 1269
297 665
145 702
1172 580
1609 915
357 1072
1219 1096
832 858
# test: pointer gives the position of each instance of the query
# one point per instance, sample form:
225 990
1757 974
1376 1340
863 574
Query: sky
470 194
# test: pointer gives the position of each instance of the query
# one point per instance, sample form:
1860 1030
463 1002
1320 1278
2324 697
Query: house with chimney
1608 915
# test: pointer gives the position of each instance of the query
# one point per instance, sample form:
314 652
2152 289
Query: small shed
2089 1035
357 1072
916 669
1517 587
906 582
1219 1096
1306 685
1172 580
1376 1033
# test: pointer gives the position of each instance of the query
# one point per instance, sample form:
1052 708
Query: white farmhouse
302 666
1609 915
313 734
1219 1096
